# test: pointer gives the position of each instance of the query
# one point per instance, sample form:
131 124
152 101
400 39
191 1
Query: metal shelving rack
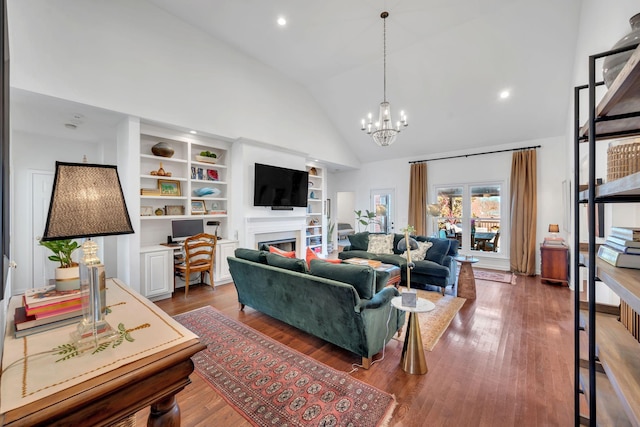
616 115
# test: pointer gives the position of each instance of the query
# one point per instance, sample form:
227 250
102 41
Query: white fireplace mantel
254 226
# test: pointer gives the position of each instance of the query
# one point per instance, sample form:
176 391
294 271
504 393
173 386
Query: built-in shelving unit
608 376
316 218
164 198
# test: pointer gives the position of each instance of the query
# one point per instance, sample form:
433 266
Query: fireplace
284 232
287 245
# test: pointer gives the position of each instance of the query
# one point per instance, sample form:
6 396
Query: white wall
33 152
245 154
485 168
134 58
602 24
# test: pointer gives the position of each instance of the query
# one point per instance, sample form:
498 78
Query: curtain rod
475 154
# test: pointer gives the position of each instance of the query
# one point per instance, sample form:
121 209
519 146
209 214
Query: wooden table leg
165 413
466 282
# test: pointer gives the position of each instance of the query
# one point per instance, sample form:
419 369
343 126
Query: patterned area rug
495 276
433 323
273 385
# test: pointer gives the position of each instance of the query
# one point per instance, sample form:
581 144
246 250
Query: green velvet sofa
340 303
437 270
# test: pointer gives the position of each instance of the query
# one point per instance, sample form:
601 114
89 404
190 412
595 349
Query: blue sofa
437 270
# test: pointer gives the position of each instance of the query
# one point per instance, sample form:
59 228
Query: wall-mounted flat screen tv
280 187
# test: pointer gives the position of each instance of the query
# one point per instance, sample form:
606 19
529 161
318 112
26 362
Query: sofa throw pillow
251 255
359 241
293 264
380 244
420 253
311 255
362 278
274 250
439 250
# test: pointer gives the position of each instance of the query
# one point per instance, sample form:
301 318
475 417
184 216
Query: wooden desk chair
199 254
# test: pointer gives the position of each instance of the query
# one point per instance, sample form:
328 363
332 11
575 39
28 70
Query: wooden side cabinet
554 260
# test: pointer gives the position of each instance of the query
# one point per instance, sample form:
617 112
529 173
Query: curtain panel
418 198
523 206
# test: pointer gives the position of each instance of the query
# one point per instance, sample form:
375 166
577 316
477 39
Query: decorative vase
68 278
613 64
162 149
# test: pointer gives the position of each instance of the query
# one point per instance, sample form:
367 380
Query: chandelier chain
384 58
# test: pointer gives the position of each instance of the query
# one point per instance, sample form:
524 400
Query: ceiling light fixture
505 94
282 21
193 132
384 133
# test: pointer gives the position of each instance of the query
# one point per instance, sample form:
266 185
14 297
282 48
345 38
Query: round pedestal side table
413 360
466 280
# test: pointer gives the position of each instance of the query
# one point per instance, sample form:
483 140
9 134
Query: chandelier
383 131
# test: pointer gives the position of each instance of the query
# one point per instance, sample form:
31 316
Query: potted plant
68 273
330 229
365 219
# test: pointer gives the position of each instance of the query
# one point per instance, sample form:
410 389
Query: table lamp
87 201
406 244
554 229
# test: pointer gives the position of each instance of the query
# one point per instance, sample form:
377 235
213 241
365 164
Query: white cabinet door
157 277
224 250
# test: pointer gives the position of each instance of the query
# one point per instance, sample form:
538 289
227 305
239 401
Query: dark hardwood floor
505 360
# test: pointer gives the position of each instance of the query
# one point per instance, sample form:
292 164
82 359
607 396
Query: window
471 214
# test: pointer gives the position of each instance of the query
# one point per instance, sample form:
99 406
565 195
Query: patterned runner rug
433 323
273 385
495 276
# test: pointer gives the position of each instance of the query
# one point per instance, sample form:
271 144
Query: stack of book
44 309
551 241
622 247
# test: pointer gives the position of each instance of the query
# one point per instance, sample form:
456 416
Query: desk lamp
87 201
406 244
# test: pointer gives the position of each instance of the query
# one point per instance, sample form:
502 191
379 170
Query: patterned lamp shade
86 201
554 228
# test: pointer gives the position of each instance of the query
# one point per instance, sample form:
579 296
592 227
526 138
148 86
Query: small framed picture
197 207
146 210
174 210
169 187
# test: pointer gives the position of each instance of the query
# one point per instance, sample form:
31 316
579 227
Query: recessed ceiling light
505 94
282 21
193 132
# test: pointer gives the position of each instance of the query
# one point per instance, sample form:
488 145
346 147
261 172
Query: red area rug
273 385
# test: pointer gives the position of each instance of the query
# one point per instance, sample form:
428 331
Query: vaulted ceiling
447 62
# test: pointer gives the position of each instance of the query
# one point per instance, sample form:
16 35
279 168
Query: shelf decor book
625 249
45 327
617 258
623 242
628 233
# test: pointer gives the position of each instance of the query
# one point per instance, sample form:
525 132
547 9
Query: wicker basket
623 160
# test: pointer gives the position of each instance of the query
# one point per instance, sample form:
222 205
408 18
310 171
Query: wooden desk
103 388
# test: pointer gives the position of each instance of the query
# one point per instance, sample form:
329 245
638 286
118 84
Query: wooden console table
108 386
554 263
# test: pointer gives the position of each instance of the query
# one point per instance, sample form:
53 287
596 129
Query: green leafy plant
62 251
208 154
331 226
410 228
365 219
